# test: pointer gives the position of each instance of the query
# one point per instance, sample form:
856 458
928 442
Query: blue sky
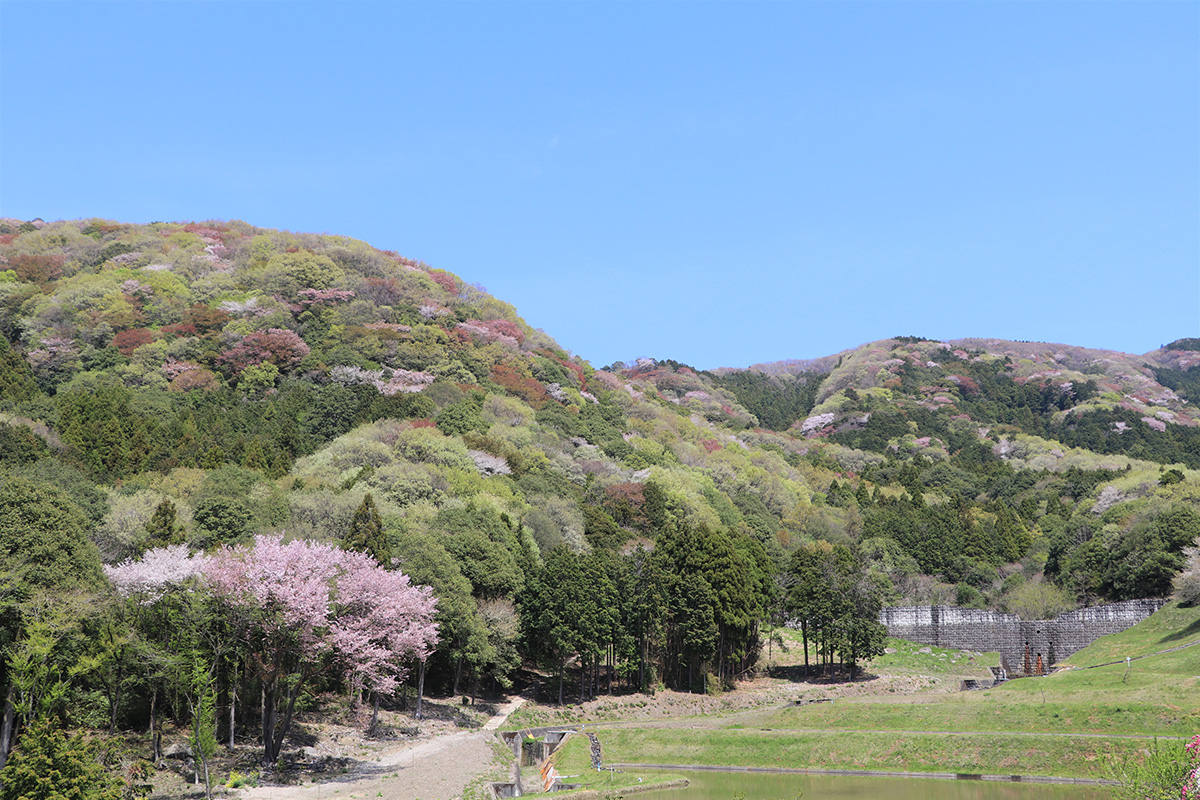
718 183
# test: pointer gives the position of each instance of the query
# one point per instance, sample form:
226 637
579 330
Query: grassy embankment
1070 724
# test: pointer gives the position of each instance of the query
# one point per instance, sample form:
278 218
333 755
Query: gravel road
436 769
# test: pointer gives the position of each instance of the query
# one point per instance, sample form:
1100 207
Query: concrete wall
995 631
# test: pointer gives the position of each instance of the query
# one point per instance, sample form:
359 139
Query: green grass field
1063 756
1070 724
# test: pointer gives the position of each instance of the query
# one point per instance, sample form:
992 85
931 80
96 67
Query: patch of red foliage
206 320
401 260
423 423
624 502
283 348
208 232
175 331
967 384
37 269
382 291
515 383
7 238
193 379
711 445
445 280
130 340
569 365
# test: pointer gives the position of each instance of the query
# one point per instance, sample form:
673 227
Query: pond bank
862 773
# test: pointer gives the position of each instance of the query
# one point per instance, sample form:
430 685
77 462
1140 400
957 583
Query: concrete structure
1022 645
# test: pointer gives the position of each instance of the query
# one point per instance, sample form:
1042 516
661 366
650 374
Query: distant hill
202 382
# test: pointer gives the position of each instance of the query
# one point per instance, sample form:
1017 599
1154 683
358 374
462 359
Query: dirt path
436 769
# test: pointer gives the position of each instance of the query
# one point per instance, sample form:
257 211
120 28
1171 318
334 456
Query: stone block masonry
1023 645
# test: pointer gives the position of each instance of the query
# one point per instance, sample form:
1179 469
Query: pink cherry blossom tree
168 616
158 570
302 606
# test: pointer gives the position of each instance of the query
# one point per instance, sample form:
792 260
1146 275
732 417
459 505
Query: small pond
759 786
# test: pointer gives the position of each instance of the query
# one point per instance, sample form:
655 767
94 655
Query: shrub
49 762
1036 600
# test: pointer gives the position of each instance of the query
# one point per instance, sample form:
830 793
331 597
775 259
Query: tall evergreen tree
366 532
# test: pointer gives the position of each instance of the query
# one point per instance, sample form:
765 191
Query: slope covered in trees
185 388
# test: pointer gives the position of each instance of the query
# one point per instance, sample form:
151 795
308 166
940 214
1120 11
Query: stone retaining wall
1017 640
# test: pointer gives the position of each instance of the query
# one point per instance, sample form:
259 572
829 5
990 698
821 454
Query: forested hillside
269 398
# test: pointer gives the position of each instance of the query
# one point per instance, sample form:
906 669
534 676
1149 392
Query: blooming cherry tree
158 570
302 605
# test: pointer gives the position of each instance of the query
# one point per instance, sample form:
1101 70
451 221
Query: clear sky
717 183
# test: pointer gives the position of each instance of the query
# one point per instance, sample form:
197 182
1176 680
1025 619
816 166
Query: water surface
759 786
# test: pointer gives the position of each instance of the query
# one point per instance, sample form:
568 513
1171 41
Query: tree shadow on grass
1186 633
795 674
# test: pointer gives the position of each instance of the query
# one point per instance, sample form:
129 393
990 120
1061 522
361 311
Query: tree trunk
6 727
420 687
155 736
804 639
268 722
245 690
582 677
642 665
200 756
293 695
562 668
232 711
374 726
207 779
114 700
457 675
611 659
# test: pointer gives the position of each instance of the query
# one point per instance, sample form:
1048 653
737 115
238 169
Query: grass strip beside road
884 751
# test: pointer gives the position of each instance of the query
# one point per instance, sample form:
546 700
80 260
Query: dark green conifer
162 527
50 763
366 532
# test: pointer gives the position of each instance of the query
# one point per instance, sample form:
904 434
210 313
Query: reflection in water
758 786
